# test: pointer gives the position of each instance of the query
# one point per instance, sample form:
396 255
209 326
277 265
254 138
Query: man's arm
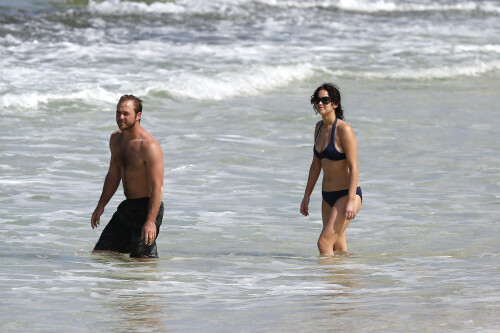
109 188
154 166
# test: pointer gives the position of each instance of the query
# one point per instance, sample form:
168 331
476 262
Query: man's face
125 116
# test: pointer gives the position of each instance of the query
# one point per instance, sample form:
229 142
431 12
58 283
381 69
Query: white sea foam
391 6
224 85
249 82
445 72
181 168
23 181
10 40
32 100
117 7
490 48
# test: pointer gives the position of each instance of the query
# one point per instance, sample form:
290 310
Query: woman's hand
304 206
350 210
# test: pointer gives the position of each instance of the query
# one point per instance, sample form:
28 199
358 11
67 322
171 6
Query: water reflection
342 285
127 290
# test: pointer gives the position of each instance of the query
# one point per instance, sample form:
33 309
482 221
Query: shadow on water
343 283
125 288
339 272
134 312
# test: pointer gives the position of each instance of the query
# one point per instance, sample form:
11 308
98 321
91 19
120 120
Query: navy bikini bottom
332 197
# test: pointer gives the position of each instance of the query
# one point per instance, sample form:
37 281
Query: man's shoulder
115 138
149 142
116 135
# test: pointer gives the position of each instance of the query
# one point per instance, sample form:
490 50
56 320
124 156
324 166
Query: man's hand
96 217
149 233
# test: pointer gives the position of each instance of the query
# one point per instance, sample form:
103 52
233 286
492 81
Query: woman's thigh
326 211
337 218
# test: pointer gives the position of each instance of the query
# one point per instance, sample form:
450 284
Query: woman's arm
350 146
314 172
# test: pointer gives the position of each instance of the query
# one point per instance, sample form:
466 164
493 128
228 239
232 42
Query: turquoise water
226 86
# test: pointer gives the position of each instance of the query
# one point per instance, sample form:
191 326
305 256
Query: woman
336 153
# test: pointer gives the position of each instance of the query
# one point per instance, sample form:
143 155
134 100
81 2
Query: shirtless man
136 161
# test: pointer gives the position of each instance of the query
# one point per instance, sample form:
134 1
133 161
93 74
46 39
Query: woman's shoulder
318 124
344 128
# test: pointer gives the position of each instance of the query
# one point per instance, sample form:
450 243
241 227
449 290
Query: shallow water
226 87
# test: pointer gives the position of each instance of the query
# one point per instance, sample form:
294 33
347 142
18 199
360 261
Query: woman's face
324 104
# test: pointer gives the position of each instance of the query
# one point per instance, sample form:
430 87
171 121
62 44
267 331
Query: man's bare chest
130 157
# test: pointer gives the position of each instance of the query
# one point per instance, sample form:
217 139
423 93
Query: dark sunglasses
325 100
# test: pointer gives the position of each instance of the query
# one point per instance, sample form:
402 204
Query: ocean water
226 85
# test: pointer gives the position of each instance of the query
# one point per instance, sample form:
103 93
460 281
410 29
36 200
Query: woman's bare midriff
335 175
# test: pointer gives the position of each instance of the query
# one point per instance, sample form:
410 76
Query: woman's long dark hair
334 93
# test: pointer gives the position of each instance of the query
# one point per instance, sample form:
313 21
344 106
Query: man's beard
126 126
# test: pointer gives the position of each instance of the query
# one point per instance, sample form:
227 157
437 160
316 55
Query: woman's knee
321 244
325 243
323 247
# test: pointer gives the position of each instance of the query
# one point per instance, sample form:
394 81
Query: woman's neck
329 119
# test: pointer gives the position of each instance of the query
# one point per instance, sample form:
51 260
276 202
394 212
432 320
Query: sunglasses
325 100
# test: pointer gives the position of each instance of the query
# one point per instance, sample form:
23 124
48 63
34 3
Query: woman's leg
340 244
334 226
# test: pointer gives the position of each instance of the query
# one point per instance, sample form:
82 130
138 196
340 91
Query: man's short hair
137 102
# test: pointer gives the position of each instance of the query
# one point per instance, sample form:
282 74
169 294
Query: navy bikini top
330 151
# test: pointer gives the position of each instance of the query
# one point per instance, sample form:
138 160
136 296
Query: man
136 161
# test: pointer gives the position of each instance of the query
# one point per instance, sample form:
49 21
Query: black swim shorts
123 232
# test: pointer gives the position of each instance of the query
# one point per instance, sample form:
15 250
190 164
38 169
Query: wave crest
118 7
225 85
